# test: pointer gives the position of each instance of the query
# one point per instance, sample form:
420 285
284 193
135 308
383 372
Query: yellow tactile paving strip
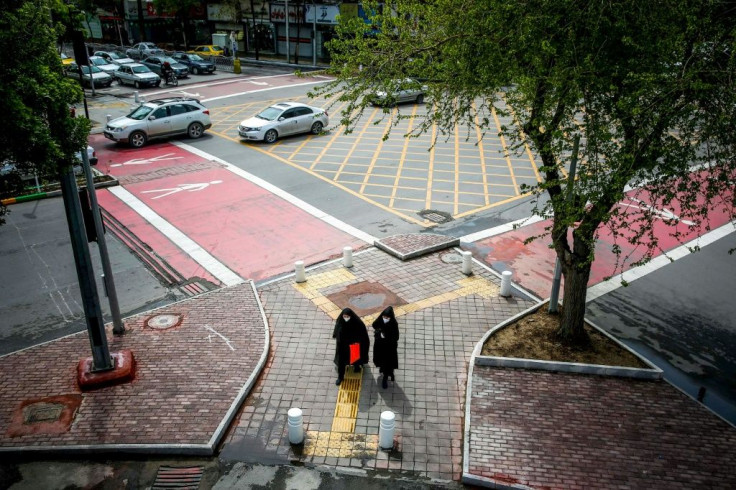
404 176
340 444
348 396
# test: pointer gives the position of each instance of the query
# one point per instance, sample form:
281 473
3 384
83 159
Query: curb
43 195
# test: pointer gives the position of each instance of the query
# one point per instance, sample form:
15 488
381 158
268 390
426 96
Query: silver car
160 118
114 58
283 119
137 75
142 50
406 90
89 73
103 65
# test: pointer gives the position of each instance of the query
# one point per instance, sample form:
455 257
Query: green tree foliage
37 131
647 86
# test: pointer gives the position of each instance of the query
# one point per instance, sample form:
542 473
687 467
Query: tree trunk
573 311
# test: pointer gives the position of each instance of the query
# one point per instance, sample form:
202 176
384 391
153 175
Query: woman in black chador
349 329
386 344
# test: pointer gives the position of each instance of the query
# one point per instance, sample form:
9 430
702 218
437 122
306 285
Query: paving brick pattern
561 430
428 396
413 245
187 377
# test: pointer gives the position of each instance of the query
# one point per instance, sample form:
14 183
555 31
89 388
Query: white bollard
386 430
296 426
467 263
137 98
347 256
109 117
301 276
506 283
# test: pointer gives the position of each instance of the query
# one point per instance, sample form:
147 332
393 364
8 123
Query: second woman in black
386 344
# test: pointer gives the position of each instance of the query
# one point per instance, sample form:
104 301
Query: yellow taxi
208 50
65 60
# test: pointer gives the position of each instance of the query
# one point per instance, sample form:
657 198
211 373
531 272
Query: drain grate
186 477
435 216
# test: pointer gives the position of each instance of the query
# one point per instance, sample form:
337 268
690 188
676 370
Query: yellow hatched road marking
482 156
402 159
506 152
326 146
376 154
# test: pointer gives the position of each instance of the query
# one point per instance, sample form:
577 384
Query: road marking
182 187
308 208
598 290
146 161
209 337
261 90
189 246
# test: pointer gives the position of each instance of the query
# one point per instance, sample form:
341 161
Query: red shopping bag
354 353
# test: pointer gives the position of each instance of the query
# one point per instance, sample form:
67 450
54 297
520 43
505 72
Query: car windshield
114 56
86 69
218 48
165 59
270 114
140 112
195 57
98 61
141 69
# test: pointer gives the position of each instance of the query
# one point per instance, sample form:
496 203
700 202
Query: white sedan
104 65
114 58
283 119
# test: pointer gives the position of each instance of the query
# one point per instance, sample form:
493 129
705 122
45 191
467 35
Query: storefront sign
227 13
326 14
278 13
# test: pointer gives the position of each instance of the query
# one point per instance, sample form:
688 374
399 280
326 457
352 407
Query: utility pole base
123 371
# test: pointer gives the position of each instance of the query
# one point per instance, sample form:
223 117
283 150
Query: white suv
160 118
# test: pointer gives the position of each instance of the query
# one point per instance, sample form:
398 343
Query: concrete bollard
347 256
386 430
506 283
108 117
467 263
296 426
136 97
301 276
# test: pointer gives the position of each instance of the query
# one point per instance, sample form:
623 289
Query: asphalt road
683 317
39 292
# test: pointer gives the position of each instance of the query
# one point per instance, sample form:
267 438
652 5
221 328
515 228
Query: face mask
346 318
386 319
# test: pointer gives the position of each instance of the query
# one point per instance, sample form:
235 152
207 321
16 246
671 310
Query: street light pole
555 293
112 295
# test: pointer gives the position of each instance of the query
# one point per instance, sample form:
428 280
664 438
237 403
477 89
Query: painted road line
200 255
261 90
308 208
510 226
667 258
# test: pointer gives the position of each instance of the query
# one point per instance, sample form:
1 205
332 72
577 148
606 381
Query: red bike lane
253 232
533 264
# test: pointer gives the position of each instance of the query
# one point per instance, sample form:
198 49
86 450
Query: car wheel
420 98
136 84
195 130
137 139
195 71
317 127
271 136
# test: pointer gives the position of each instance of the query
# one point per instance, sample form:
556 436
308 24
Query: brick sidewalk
443 316
189 380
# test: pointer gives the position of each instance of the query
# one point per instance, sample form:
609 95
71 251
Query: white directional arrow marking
146 161
183 187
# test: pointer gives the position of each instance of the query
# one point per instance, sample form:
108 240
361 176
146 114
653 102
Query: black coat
352 332
386 341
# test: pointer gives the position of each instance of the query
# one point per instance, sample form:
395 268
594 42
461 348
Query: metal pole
112 296
288 56
101 359
314 34
91 78
555 293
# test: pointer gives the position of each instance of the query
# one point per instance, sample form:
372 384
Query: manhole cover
367 301
435 216
451 258
162 322
42 412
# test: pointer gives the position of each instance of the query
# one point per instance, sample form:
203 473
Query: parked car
89 73
195 62
103 65
143 50
208 50
137 75
9 168
156 62
65 60
114 58
160 118
406 90
283 119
